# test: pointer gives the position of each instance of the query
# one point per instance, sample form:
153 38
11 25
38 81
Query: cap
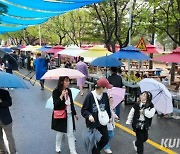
103 82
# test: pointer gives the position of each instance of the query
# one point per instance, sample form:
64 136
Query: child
110 126
141 116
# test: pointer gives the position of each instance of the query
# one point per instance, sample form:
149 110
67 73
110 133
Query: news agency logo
171 142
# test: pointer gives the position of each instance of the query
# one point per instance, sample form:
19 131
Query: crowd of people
96 104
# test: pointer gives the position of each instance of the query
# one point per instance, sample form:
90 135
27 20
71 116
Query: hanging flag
141 45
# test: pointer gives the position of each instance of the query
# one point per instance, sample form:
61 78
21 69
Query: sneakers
107 151
134 144
58 150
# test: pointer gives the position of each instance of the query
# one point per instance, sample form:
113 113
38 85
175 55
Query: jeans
42 84
141 137
104 140
111 135
118 109
70 135
8 131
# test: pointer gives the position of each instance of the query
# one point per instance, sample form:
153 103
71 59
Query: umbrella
11 81
6 49
49 103
12 62
45 48
162 98
94 52
130 52
90 138
73 51
173 57
56 73
106 61
151 49
117 95
55 49
2 53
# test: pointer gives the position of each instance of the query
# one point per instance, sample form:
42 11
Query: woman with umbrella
90 112
141 116
63 114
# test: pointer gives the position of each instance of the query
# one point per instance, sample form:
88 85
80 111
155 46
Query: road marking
153 143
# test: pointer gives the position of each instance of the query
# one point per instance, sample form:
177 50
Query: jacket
5 115
115 80
90 108
61 124
134 115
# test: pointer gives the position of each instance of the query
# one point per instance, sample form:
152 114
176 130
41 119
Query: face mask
105 90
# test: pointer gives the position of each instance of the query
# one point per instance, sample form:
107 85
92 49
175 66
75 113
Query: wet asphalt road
33 134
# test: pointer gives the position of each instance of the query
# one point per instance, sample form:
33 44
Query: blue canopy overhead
52 5
26 12
23 21
130 52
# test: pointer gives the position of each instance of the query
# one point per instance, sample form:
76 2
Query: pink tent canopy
55 49
151 49
173 57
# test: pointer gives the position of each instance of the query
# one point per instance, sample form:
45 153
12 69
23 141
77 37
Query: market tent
55 49
173 57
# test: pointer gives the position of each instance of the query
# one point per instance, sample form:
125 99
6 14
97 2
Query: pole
130 23
40 35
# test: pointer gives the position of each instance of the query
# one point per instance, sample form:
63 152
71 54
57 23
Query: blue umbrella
6 49
106 61
130 52
11 81
44 48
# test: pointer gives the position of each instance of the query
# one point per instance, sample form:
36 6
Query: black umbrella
12 62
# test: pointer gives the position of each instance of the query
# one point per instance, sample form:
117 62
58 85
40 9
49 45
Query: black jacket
61 124
137 115
115 80
5 115
89 108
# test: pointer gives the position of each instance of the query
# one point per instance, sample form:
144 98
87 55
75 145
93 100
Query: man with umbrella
6 122
116 81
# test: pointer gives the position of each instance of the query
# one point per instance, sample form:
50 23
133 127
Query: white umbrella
162 98
73 51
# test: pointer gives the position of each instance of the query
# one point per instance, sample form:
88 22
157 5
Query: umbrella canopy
173 57
151 49
56 73
6 49
130 52
117 94
11 81
106 61
162 98
12 62
2 53
55 49
73 51
45 48
29 48
94 52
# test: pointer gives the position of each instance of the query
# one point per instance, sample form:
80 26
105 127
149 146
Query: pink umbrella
56 73
173 57
55 49
117 94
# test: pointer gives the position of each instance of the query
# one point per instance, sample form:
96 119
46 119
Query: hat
103 82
